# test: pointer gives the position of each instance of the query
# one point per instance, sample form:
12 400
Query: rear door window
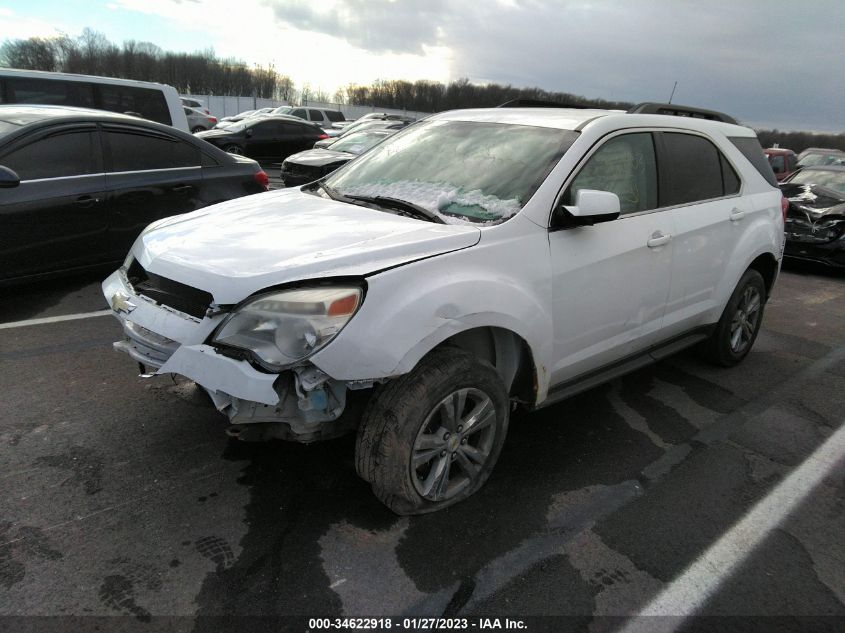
147 103
62 154
334 116
139 150
315 115
693 169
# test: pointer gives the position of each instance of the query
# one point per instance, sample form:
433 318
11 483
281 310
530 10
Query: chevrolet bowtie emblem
120 303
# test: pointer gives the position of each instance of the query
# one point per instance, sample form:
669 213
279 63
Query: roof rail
679 110
537 103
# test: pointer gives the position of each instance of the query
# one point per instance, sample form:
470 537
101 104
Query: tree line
91 53
433 96
202 72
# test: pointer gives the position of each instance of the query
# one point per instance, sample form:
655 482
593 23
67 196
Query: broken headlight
282 328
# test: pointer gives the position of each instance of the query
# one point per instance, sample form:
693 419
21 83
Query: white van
156 102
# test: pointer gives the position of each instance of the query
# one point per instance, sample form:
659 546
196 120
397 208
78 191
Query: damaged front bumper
302 404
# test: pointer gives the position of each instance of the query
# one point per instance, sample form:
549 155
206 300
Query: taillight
322 136
262 179
784 207
212 119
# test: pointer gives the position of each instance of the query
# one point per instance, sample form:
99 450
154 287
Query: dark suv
77 186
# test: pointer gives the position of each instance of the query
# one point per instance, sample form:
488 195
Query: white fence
228 106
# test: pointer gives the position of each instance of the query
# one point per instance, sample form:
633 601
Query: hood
813 200
318 157
239 247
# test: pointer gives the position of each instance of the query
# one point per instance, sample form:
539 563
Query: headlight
282 328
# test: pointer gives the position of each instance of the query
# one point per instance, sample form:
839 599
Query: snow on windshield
441 197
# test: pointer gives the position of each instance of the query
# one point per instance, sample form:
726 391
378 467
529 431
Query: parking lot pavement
124 496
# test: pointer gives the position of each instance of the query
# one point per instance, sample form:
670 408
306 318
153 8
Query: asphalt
123 497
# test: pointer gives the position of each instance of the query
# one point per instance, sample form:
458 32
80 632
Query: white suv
476 260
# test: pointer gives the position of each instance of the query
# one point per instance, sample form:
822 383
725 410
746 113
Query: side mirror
591 207
8 178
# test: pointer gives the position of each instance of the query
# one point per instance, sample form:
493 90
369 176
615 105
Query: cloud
405 26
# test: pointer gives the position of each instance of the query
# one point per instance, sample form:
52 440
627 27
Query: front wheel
431 438
740 323
234 149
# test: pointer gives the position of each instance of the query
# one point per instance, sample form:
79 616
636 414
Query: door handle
737 215
658 238
182 188
86 201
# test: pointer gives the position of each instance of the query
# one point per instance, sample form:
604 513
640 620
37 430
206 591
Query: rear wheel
234 149
198 128
431 438
740 323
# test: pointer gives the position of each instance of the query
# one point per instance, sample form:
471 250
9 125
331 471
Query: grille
295 169
167 292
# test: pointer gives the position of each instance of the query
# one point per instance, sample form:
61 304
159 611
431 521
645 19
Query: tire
739 324
198 128
410 417
234 149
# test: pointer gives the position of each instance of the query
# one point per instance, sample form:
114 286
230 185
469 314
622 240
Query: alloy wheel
745 320
453 444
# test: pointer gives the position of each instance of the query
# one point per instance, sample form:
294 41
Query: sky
769 63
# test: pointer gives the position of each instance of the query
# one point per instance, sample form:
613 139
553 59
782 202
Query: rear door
297 137
149 175
703 189
610 281
56 218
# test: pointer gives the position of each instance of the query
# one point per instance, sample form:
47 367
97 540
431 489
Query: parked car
243 115
474 261
815 222
783 161
156 102
78 185
190 102
360 127
311 164
819 156
271 137
320 116
198 121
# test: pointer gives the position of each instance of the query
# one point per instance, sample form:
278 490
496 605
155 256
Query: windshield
462 170
831 179
358 142
811 160
282 110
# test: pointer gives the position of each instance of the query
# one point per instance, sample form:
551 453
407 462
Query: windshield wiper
401 205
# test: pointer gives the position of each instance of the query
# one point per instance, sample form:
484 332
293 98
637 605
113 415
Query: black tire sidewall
721 350
405 410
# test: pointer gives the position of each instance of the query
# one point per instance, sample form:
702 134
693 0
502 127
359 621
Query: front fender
411 309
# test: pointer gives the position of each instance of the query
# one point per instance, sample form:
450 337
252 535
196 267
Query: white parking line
685 595
55 319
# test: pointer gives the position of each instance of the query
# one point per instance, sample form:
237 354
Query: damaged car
815 222
476 261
